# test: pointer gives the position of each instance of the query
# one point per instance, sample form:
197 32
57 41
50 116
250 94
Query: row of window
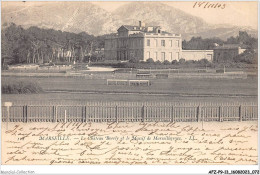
169 56
138 42
125 43
163 44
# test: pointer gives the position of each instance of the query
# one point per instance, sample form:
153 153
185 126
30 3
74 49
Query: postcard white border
132 169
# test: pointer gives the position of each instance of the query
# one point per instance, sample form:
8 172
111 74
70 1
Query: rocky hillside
72 17
85 16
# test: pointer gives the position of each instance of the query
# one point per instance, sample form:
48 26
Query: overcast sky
235 13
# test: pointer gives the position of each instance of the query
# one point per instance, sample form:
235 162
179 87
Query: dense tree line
35 45
198 43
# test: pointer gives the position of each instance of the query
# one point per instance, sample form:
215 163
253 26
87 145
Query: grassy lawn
79 90
173 86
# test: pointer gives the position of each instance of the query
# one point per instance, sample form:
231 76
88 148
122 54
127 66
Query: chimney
156 30
141 24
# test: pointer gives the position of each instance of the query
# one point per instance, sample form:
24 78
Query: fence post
198 114
85 114
54 114
172 109
116 114
25 113
86 118
142 113
220 114
82 116
8 116
65 118
240 113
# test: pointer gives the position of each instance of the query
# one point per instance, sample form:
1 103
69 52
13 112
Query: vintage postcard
129 83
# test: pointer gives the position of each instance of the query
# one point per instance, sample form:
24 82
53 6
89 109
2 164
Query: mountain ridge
87 17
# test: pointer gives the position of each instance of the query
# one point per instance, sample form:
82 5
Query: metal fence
129 112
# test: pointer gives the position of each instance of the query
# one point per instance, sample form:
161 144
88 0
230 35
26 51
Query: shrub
51 64
133 60
182 61
158 62
20 87
190 62
150 60
166 62
174 62
62 63
5 67
203 61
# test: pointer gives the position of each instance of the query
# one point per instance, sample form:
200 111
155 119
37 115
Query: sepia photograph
129 83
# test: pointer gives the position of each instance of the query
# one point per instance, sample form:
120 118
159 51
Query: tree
249 56
243 39
197 43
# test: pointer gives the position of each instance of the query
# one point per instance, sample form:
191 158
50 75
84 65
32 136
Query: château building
143 42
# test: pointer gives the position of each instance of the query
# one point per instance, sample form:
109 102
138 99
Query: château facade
144 42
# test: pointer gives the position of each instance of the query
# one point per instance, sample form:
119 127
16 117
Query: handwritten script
209 5
130 143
